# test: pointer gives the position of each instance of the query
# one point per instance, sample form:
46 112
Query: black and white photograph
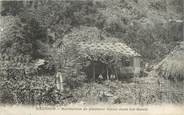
91 52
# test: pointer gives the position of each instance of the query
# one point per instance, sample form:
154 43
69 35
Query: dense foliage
123 19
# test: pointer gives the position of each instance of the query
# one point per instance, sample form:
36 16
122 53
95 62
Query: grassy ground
115 92
142 91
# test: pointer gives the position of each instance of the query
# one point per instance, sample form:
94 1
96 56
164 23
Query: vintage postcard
91 57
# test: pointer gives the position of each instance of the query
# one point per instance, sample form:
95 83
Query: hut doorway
100 71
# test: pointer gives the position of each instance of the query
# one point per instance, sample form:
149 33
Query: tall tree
11 7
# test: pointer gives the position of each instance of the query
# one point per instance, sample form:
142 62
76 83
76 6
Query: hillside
140 22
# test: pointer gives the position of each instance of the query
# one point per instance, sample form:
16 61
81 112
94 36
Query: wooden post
136 65
107 72
116 74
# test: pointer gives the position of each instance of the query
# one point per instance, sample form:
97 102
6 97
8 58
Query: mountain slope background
146 25
151 27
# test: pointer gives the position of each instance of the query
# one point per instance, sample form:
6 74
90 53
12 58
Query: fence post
59 81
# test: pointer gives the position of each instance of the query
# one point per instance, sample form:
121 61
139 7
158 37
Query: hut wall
136 65
126 65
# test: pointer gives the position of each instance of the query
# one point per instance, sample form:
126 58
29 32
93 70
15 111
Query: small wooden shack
102 57
110 60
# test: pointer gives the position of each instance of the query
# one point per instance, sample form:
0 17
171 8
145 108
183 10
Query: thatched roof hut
172 67
105 55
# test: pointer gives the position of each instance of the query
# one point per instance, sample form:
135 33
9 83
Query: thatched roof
93 42
172 67
107 48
